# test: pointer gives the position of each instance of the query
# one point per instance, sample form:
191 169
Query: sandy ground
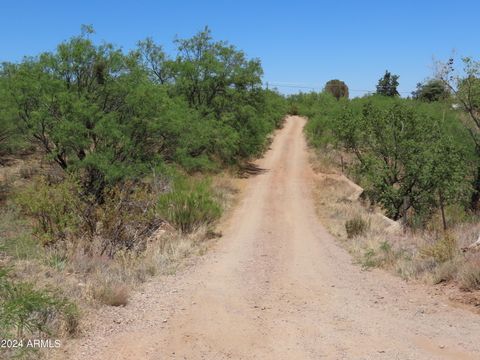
276 286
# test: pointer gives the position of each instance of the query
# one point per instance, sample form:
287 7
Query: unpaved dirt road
276 286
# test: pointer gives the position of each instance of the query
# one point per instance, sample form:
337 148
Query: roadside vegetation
112 166
416 160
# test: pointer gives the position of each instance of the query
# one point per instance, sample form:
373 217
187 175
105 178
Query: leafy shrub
56 208
320 109
11 130
356 226
293 109
406 160
25 310
442 250
189 205
431 90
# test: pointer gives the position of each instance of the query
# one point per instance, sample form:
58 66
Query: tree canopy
432 90
387 85
337 88
107 115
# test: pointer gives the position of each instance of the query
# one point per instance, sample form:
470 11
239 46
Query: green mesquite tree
403 156
387 85
465 89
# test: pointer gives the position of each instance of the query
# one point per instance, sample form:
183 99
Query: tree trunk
404 213
442 209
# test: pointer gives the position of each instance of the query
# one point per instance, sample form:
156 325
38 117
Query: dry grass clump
225 190
325 161
28 171
112 294
442 250
356 226
189 206
111 281
380 254
469 275
446 271
370 237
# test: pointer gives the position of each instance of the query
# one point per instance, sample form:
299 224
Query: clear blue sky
299 42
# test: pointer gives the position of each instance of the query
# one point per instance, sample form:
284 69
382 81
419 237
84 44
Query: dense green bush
189 204
11 139
406 157
55 208
465 89
320 109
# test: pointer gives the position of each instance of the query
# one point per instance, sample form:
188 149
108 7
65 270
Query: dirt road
278 287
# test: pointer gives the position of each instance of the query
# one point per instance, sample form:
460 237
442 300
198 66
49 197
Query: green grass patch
16 239
189 205
26 311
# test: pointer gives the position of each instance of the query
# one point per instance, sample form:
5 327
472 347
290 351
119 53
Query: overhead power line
318 87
